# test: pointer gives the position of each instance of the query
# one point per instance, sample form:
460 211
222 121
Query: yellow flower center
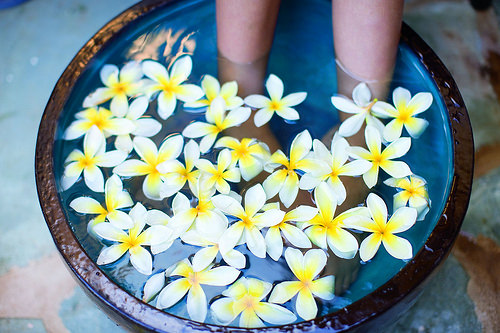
368 108
275 105
249 302
169 86
120 88
99 119
404 114
241 151
86 161
132 241
203 206
193 278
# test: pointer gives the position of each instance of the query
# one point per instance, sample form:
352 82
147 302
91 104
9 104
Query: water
189 28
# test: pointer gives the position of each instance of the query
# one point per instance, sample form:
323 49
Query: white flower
204 217
382 159
283 106
170 85
115 199
327 230
151 157
217 121
190 284
144 126
245 297
157 217
119 85
361 106
132 241
331 165
404 111
210 249
274 242
249 222
103 119
413 191
382 231
249 155
285 181
175 174
306 269
212 89
219 175
94 156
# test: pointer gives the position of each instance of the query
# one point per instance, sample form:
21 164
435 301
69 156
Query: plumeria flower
155 217
331 165
170 85
115 198
249 222
245 297
327 230
282 106
204 217
382 158
285 181
132 241
306 269
382 231
151 157
249 155
413 191
220 174
212 89
210 249
103 119
294 235
190 284
404 111
94 155
119 86
361 106
143 126
217 121
176 174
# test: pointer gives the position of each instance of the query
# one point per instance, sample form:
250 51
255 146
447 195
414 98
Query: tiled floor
39 38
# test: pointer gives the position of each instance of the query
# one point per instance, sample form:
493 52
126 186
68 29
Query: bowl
162 29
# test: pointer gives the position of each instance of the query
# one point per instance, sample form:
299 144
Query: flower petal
301 146
295 236
416 126
166 105
94 178
369 246
274 87
141 260
361 94
228 205
204 257
235 259
294 99
262 116
249 319
255 198
153 286
237 117
274 314
257 101
342 243
197 129
397 247
290 189
197 303
172 293
420 102
393 130
110 232
324 287
274 243
111 254
345 105
120 219
288 114
402 219
219 276
306 305
284 291
401 97
86 205
231 237
396 169
223 310
352 125
255 242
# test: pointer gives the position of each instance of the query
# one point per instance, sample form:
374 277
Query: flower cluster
195 177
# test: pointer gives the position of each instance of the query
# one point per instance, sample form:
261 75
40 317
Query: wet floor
38 41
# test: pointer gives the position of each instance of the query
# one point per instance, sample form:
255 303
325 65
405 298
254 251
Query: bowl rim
136 314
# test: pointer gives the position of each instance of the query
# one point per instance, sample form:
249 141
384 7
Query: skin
366 35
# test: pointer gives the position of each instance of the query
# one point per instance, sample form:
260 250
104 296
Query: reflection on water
305 62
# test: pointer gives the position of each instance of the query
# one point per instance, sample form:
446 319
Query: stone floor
39 38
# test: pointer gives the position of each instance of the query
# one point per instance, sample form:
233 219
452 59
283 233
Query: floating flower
290 232
331 165
413 191
211 248
382 231
249 155
204 217
176 174
94 156
245 297
361 106
103 119
119 85
249 222
404 111
115 199
212 89
306 269
325 230
151 157
217 121
382 159
219 175
286 181
282 106
170 85
190 284
144 126
132 241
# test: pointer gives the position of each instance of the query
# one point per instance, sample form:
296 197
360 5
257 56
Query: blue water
303 58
